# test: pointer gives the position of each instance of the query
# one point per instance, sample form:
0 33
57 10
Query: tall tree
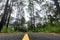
31 9
19 4
57 7
22 21
9 14
4 17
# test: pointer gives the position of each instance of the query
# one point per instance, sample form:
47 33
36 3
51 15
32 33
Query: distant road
32 36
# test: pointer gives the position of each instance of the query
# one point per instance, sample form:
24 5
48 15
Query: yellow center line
26 37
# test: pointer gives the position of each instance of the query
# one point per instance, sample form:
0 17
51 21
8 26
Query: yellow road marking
26 37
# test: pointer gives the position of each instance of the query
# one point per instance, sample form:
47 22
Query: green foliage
55 28
49 28
22 21
7 30
31 27
23 29
4 29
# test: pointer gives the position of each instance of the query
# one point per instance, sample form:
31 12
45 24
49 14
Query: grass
48 28
7 30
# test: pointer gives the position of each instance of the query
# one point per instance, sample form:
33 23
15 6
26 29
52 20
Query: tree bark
57 6
4 17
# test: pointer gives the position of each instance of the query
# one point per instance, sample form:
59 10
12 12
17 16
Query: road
32 36
13 36
41 36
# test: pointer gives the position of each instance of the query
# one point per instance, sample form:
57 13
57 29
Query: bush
55 28
6 30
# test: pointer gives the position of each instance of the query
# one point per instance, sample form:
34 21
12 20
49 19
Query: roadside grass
48 29
7 30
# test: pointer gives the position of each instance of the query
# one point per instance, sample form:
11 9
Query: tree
4 17
19 21
50 12
9 15
57 6
22 21
31 10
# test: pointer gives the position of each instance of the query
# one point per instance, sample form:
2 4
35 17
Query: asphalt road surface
40 36
32 36
13 36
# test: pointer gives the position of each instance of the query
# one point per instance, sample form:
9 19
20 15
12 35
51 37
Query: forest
30 16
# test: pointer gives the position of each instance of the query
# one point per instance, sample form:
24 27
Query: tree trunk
4 17
8 20
57 6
